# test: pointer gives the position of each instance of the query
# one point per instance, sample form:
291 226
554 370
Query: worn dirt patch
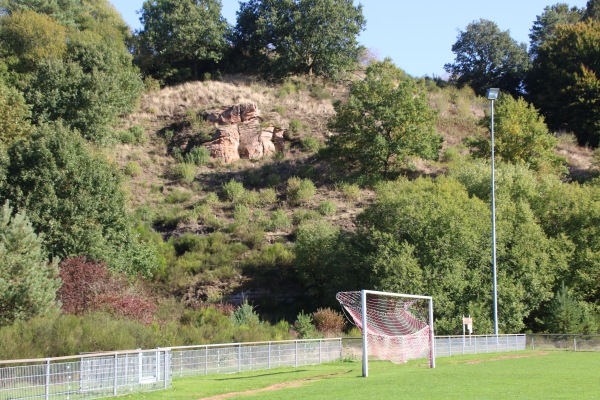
537 354
277 386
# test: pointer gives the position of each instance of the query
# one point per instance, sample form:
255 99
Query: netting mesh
397 327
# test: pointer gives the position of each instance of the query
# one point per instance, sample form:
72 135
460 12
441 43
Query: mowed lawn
517 375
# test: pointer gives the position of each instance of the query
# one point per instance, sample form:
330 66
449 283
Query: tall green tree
564 82
300 36
180 38
28 38
28 281
70 60
73 196
487 57
567 315
545 24
385 120
520 136
592 10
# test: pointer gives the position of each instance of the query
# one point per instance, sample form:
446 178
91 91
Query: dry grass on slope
172 102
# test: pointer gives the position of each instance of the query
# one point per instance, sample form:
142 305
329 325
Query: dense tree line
433 236
559 74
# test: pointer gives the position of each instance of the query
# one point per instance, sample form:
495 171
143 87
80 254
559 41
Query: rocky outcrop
242 133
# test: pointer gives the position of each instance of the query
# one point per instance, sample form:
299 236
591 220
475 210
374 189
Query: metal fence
238 357
446 346
564 342
101 375
89 376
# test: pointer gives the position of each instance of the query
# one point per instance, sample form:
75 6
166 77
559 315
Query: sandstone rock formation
241 133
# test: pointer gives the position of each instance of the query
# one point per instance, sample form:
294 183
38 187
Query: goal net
395 327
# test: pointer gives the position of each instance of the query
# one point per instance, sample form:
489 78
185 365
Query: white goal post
396 327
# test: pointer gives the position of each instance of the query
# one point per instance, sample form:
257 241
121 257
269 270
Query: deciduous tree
385 120
73 197
179 37
564 82
488 57
521 136
300 36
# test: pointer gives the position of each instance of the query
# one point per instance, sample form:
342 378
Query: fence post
341 348
449 345
205 360
47 379
320 341
269 359
532 342
115 376
239 357
575 342
296 353
167 367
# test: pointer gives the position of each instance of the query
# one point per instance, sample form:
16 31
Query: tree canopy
520 136
385 120
564 82
300 36
487 57
74 198
179 37
545 24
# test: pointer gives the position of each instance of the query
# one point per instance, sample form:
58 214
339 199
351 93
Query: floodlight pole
492 95
363 304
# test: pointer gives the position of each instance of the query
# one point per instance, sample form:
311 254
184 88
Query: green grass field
517 375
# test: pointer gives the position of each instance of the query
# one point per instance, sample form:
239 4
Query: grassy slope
520 375
154 189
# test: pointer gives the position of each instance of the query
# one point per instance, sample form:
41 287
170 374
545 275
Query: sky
417 35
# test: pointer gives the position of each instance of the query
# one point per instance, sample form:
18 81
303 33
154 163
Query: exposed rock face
240 134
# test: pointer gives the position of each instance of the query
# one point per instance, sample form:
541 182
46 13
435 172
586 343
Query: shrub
327 208
310 144
242 213
329 322
267 197
300 191
252 235
296 126
305 215
89 286
304 326
279 221
245 315
233 190
138 133
184 172
132 169
198 156
350 191
273 180
178 196
211 199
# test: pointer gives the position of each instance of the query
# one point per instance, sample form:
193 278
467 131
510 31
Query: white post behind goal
396 327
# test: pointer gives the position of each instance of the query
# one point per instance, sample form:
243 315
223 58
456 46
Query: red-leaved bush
89 286
328 321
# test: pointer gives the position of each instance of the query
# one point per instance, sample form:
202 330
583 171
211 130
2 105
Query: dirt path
277 386
537 354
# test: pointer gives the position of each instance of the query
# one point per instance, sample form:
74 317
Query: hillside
199 203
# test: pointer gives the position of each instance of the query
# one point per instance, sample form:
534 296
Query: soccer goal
395 327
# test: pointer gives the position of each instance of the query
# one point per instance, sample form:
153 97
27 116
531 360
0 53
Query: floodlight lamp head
493 93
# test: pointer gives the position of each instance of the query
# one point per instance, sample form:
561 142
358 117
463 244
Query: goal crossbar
392 323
